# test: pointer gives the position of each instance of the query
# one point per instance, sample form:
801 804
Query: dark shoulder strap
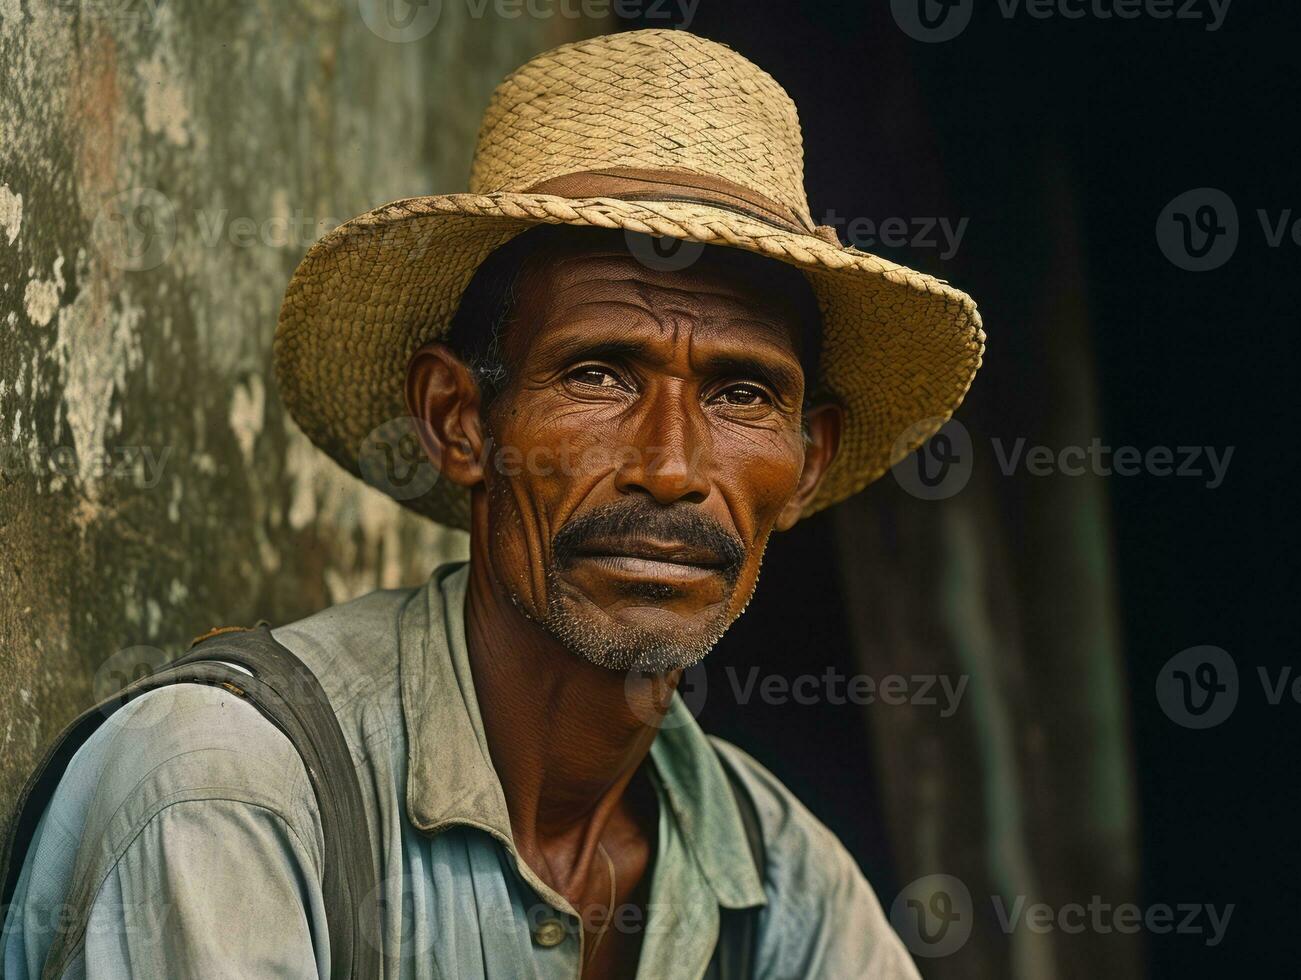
252 665
736 955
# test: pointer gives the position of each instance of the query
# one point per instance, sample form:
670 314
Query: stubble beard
602 641
599 640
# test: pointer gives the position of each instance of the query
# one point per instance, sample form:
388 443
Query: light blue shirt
189 823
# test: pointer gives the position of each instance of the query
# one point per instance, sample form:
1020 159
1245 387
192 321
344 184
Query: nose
666 459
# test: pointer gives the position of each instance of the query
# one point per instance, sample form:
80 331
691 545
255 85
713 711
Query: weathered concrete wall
163 166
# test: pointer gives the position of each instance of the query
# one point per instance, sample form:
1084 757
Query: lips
648 550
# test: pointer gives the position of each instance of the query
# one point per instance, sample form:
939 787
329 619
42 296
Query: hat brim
899 348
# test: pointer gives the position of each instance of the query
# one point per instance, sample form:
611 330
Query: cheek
557 451
518 525
535 451
539 469
511 541
759 476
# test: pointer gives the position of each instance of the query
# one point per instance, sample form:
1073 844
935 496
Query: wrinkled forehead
713 298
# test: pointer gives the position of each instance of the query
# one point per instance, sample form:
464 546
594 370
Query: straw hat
658 132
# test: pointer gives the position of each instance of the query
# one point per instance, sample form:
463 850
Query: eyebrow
779 376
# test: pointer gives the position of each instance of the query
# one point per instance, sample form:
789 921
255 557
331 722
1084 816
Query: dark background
1135 112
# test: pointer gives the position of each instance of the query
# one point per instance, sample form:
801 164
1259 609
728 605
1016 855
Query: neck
566 737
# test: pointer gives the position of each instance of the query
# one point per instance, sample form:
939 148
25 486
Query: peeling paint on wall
166 107
162 169
11 213
41 297
247 406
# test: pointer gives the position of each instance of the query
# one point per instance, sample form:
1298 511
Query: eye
743 395
595 376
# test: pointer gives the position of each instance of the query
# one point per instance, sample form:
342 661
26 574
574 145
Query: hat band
633 184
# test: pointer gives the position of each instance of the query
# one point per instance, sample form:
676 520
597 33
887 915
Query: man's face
646 443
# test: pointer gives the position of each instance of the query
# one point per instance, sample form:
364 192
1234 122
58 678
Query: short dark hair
488 304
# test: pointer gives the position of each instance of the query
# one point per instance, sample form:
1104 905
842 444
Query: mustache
683 523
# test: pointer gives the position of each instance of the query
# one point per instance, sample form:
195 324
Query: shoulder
803 854
192 742
823 917
353 650
785 820
350 646
183 744
184 802
188 771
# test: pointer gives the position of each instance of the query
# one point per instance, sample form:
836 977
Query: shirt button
549 933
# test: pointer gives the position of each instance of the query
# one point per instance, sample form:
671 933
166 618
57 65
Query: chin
637 634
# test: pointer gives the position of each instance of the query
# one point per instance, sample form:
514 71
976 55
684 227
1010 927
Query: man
620 426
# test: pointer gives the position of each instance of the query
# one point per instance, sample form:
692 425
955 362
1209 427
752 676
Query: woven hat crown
653 100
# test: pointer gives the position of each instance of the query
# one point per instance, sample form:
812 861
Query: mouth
648 558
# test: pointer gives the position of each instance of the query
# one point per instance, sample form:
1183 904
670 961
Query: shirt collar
451 779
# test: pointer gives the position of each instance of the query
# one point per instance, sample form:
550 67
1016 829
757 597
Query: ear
825 423
444 397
